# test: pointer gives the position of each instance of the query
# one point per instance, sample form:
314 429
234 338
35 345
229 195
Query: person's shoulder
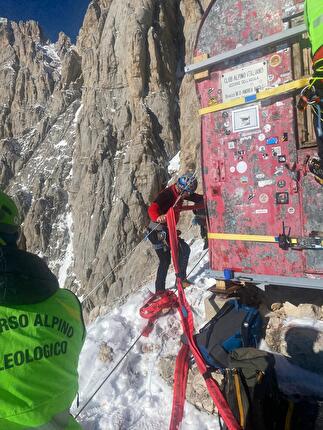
33 259
69 293
165 193
167 189
73 305
19 255
69 298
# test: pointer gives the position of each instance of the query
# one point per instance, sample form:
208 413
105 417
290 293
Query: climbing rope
200 259
143 332
130 252
153 275
108 376
115 267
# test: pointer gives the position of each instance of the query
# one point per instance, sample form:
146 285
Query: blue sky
53 15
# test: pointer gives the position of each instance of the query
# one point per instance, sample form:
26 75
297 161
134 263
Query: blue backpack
234 326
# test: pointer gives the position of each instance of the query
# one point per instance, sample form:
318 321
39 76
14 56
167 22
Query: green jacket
40 343
313 14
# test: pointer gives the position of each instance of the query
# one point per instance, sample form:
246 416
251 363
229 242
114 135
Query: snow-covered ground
135 397
174 164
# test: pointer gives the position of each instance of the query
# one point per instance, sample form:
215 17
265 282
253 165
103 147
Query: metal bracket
273 40
261 280
288 18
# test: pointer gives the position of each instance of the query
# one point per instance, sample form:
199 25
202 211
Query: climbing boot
186 283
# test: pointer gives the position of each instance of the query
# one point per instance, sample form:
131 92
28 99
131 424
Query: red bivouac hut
265 209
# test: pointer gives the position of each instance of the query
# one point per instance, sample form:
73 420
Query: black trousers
164 262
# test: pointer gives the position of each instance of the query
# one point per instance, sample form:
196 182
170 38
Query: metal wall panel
253 171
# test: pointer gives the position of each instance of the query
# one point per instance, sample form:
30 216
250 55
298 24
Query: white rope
130 252
119 264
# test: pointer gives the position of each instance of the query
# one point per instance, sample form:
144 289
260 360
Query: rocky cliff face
87 132
40 94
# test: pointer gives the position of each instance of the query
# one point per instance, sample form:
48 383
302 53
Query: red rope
180 382
188 328
157 305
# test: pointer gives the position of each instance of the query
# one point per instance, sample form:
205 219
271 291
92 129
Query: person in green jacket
313 15
41 336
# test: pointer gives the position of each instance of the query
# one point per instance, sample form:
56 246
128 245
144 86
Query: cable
137 339
110 373
191 180
118 363
119 264
130 252
204 254
108 376
316 112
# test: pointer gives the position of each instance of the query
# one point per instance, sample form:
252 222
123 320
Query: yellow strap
239 399
261 95
245 237
289 415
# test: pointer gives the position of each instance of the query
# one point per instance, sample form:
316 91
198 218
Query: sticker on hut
245 81
245 119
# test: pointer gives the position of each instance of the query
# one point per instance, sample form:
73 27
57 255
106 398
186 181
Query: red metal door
252 171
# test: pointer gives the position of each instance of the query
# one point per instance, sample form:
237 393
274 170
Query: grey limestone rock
87 132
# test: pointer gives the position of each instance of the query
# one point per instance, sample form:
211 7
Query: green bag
251 389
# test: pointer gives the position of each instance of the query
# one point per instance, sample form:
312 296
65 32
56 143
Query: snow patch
304 322
174 164
51 52
60 144
135 396
69 255
77 115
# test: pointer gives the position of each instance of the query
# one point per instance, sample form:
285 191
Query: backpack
304 413
234 326
252 392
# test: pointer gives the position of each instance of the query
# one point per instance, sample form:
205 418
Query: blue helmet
187 183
